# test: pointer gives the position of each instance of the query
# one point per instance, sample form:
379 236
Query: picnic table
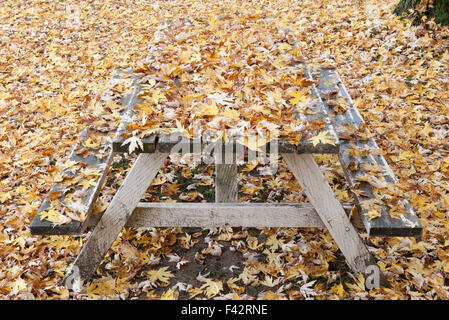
323 211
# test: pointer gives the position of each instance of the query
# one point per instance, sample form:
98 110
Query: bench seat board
407 225
45 227
95 159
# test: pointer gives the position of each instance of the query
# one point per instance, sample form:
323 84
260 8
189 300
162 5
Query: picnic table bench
323 211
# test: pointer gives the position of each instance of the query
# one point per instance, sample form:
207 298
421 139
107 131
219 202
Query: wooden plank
131 100
165 142
158 37
175 143
179 143
226 182
316 112
313 113
226 186
117 214
332 214
407 225
208 215
98 159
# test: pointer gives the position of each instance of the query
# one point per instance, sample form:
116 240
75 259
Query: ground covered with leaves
57 58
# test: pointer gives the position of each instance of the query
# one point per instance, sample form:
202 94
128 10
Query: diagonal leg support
331 212
117 214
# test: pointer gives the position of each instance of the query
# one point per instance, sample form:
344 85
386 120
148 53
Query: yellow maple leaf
273 242
100 206
29 208
149 84
54 216
212 21
253 243
212 287
271 296
298 96
250 166
372 180
359 285
171 189
231 283
87 183
322 138
274 97
92 143
372 167
297 52
235 296
21 189
338 289
91 172
18 285
208 110
159 180
371 204
270 282
231 113
373 214
193 292
98 289
445 201
161 275
155 96
5 196
253 143
170 295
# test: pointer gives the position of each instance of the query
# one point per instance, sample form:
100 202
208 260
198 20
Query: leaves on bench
71 200
384 209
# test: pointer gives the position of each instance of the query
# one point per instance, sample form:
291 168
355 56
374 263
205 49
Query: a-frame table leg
331 212
117 214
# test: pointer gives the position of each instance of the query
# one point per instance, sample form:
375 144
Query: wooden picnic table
324 210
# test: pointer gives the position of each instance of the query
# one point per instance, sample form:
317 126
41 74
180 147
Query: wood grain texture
118 212
45 227
316 111
320 194
226 189
408 225
174 143
226 184
95 160
130 101
209 215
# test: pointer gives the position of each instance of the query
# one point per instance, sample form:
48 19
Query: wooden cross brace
125 210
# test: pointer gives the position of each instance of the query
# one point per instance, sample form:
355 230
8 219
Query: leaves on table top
322 138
